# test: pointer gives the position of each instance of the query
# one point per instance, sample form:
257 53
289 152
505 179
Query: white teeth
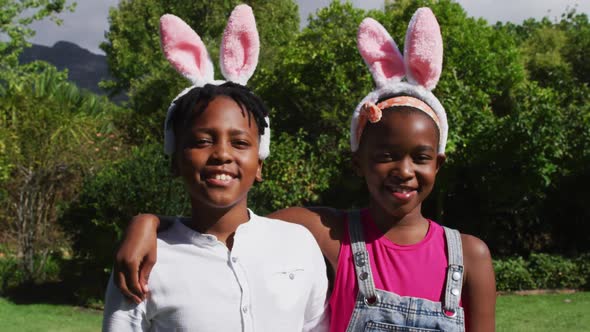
222 177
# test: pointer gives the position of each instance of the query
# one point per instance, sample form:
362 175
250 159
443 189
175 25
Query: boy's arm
480 285
122 315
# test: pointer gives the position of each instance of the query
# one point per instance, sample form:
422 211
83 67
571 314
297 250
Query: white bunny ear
185 50
380 53
423 49
240 46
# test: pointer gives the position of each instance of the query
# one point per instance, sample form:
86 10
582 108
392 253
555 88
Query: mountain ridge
85 69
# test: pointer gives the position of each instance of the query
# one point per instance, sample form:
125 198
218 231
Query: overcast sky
87 25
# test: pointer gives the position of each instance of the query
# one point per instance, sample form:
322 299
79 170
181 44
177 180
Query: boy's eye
384 157
201 142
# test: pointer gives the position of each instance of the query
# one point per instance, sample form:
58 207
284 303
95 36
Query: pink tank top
417 270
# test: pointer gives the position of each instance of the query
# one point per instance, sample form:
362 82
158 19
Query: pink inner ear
379 51
240 46
423 49
184 49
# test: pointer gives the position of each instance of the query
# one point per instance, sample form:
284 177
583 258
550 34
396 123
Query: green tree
139 68
140 182
516 97
313 90
577 28
15 18
53 134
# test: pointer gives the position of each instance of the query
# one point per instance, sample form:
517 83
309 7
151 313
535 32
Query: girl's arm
120 315
479 287
137 254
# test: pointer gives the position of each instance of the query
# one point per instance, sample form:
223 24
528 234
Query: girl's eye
241 144
423 158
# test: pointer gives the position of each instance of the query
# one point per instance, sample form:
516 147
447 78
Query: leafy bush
542 271
10 275
583 264
512 274
553 272
96 220
295 173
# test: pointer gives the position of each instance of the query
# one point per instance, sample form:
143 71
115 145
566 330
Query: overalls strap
454 283
362 265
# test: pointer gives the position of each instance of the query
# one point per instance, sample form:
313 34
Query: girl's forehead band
372 112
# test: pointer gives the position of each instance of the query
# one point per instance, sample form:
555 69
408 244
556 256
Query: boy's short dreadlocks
194 102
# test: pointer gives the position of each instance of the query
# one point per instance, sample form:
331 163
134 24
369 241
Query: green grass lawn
538 313
47 317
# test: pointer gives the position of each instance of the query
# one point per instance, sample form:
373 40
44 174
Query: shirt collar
180 228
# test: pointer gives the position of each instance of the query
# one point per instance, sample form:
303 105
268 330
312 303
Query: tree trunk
35 214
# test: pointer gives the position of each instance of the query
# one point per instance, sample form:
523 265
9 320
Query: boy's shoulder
283 227
178 233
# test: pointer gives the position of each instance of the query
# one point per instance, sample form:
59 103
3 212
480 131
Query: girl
224 268
395 269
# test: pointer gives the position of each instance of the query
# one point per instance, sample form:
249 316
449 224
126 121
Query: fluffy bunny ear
240 46
423 49
185 50
380 53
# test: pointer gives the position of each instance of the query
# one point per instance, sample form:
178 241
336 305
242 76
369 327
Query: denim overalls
379 310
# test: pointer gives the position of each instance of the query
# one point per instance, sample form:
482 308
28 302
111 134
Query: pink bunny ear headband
187 53
421 65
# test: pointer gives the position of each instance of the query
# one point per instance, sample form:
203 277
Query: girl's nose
403 169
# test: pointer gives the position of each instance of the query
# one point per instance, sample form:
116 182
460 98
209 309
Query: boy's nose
221 153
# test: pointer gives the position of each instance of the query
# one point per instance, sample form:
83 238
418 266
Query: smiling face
398 158
218 155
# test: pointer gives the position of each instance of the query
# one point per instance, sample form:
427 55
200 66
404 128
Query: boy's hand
136 257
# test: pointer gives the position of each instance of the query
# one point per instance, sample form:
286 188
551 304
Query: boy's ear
259 171
440 160
356 165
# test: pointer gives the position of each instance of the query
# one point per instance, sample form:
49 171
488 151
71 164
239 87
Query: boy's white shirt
274 279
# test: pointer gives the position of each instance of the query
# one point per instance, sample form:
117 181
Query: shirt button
245 309
455 291
456 276
234 259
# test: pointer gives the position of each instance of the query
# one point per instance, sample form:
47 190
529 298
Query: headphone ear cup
174 167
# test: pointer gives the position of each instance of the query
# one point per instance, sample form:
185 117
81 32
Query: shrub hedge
538 271
542 271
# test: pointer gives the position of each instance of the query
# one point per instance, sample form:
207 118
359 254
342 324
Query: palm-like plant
53 133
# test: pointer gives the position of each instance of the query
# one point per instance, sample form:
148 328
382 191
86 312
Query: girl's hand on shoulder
136 257
479 285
